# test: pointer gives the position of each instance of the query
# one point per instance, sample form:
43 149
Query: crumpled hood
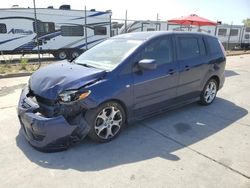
50 81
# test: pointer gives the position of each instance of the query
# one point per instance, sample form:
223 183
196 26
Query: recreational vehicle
61 32
231 36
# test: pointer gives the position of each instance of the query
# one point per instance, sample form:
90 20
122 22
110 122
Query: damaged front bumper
49 134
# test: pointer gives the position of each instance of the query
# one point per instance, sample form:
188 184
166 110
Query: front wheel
209 92
106 121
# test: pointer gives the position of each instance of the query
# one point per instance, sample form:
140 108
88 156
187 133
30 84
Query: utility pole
126 18
85 27
37 37
229 36
157 23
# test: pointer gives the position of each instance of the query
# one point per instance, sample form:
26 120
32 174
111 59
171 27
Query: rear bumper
222 81
48 134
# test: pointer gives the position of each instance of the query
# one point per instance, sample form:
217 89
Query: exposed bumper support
49 134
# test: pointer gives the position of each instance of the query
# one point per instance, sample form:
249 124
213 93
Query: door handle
187 68
171 71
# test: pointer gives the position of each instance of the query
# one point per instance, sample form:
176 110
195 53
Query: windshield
108 54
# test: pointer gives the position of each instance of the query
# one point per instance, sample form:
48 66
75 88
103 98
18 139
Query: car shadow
159 136
229 73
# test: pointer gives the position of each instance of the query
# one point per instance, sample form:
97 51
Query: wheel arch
216 78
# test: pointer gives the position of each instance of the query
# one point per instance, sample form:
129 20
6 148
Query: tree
246 22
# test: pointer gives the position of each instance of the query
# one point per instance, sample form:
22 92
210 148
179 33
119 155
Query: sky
227 11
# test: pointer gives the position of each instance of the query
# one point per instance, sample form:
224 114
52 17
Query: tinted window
214 45
189 47
222 32
72 30
161 50
3 28
44 28
99 30
247 29
234 32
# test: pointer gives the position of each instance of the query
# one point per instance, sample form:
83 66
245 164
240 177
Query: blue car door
154 89
193 62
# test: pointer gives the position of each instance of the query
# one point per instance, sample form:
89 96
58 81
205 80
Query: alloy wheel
108 122
210 92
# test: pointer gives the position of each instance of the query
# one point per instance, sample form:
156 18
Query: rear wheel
209 92
106 121
74 54
61 55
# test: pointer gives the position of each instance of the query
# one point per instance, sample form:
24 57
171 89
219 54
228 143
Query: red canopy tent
193 19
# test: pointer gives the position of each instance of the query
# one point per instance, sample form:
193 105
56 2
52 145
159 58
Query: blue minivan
125 78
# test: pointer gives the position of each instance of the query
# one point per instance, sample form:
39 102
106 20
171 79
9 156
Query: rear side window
190 47
71 31
3 28
214 45
161 50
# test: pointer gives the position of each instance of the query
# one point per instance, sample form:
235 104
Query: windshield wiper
72 60
85 65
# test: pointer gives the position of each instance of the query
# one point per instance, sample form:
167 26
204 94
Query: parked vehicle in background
231 36
60 32
125 78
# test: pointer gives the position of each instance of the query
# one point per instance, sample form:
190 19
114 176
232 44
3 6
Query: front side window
68 31
161 50
3 28
99 30
222 32
108 54
188 48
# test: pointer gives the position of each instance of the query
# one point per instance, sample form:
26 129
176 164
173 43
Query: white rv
138 26
231 36
59 31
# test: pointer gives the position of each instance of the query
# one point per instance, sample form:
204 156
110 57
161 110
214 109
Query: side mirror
147 64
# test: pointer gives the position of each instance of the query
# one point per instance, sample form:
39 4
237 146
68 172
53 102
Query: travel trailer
231 36
61 32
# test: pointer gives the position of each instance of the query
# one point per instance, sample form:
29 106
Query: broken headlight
73 95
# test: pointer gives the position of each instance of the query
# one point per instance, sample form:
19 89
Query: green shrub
24 62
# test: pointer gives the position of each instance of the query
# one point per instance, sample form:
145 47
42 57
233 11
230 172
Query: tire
209 92
105 126
74 54
61 55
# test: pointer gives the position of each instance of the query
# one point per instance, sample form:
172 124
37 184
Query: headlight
73 95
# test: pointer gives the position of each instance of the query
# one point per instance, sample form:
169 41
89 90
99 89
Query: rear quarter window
214 45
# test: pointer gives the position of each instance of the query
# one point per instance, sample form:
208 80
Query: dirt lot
193 146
